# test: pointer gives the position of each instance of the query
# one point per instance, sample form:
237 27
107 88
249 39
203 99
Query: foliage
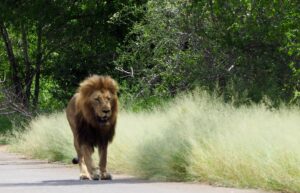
91 41
193 138
59 42
5 124
247 49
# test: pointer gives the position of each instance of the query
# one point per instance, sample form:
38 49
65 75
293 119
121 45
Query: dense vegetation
47 47
246 50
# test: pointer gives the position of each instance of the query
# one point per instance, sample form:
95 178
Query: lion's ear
115 87
86 87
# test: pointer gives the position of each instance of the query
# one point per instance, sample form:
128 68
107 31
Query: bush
242 47
194 138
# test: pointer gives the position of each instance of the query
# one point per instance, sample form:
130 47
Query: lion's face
102 102
97 101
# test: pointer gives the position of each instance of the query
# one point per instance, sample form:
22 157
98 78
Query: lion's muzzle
102 120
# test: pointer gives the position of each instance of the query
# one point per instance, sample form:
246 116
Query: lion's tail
75 160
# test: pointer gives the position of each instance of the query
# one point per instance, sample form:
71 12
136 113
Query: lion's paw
83 177
95 177
106 176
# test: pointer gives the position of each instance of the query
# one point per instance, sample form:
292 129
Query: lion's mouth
103 119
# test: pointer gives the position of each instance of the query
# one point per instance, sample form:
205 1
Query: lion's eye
97 100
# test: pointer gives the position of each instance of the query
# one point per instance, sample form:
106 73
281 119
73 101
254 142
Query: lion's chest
93 136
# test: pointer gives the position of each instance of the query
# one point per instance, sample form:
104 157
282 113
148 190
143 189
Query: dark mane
89 135
86 88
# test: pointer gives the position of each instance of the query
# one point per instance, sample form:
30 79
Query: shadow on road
78 182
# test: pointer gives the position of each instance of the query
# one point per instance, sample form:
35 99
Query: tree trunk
38 67
28 73
12 60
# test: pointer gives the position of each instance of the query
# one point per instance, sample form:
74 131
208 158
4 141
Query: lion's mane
87 129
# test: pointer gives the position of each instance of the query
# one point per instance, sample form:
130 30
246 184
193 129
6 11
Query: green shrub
249 47
5 124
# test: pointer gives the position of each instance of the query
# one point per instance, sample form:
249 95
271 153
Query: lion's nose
106 111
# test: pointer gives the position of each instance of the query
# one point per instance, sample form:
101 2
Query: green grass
194 138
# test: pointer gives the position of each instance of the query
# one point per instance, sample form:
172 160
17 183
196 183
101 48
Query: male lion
92 115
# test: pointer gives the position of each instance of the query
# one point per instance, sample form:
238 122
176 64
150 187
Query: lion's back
71 113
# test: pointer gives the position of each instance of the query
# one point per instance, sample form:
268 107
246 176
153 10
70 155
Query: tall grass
194 138
46 137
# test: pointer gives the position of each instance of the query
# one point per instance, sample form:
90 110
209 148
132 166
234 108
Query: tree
60 42
240 47
23 28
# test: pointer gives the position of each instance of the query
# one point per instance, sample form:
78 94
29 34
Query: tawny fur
90 128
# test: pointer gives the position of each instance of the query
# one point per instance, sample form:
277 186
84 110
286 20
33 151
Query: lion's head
97 100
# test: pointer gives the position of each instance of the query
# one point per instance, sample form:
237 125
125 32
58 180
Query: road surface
20 175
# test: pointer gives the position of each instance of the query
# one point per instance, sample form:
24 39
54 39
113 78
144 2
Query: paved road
19 175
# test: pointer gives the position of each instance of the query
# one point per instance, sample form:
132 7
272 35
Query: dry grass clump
194 138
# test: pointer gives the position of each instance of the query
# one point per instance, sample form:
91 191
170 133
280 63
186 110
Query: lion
92 115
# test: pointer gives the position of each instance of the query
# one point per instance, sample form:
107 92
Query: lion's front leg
87 152
103 160
84 174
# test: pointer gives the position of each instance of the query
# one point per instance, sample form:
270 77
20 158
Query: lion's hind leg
84 174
